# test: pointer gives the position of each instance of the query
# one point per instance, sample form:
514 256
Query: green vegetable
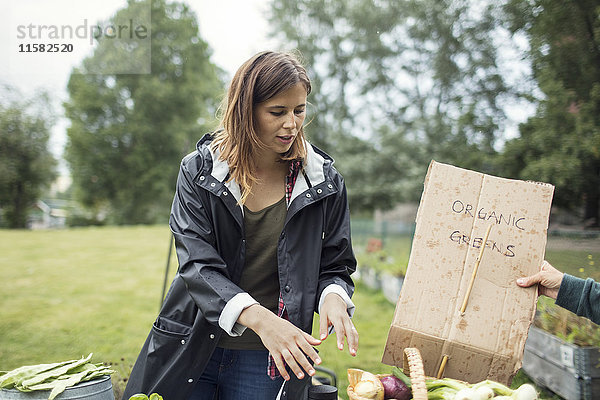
9 378
54 373
445 382
54 377
398 373
441 393
140 396
452 389
498 388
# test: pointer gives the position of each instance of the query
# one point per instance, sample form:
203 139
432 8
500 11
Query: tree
26 165
129 131
560 144
397 84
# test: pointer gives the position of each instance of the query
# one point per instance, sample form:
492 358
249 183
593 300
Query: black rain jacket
314 251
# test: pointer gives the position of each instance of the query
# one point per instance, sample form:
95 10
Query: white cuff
231 312
337 289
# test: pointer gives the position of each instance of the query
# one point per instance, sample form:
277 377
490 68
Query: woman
262 231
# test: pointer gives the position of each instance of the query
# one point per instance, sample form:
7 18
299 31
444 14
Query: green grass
68 293
576 262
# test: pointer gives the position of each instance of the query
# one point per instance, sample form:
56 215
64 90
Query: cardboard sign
457 209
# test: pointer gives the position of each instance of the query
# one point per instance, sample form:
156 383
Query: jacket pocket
166 343
168 327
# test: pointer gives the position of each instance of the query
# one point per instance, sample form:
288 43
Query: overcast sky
234 29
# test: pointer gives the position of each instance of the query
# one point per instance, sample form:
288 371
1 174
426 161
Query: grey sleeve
580 296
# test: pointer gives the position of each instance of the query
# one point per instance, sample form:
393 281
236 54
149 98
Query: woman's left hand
334 313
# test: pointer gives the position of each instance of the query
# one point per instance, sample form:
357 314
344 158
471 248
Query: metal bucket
97 389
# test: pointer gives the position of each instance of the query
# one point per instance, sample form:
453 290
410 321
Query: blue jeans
237 375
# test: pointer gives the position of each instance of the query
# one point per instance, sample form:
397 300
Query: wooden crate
570 371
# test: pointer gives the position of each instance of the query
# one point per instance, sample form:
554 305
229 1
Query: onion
485 392
467 394
394 388
525 392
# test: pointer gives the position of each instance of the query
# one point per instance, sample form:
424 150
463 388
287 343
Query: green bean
141 396
53 373
9 378
54 377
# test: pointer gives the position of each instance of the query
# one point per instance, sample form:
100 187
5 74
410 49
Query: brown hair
262 77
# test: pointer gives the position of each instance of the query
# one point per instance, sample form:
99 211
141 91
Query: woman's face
279 119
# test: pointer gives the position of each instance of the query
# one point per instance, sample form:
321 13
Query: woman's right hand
287 343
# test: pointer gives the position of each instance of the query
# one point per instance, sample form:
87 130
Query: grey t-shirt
260 275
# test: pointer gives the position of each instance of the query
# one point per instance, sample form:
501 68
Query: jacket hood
314 165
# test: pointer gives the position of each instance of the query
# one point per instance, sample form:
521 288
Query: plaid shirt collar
290 179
